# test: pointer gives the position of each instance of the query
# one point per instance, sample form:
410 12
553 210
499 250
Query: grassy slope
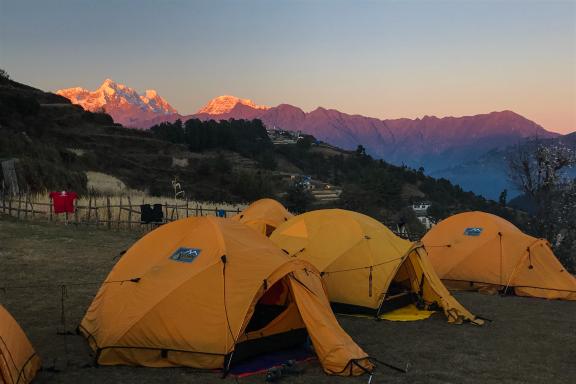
40 138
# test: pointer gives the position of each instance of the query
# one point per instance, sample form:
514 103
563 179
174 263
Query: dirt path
529 340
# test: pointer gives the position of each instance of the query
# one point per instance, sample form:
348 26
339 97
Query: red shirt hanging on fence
63 201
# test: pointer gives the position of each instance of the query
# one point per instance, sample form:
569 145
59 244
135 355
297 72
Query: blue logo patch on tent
185 255
475 231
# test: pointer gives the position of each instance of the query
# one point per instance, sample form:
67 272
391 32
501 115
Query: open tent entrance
400 292
269 229
406 287
275 325
271 305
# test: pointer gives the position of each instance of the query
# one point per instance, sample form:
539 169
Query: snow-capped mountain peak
150 94
226 103
124 104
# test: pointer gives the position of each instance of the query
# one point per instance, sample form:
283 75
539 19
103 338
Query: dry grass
179 162
108 185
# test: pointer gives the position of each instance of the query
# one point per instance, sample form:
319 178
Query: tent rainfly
367 269
18 360
264 216
478 250
207 292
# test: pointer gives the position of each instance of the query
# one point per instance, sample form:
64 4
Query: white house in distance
421 210
282 137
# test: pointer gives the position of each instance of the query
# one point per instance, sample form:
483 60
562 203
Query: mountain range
439 145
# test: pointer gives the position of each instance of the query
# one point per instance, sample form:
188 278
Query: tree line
247 137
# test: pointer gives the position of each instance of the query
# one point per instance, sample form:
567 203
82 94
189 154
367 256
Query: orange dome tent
366 268
264 216
207 292
477 250
18 361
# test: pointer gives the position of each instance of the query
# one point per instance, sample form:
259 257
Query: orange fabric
332 344
189 288
263 216
479 249
360 257
18 360
422 275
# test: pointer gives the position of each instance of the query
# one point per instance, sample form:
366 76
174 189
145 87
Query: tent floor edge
252 348
351 309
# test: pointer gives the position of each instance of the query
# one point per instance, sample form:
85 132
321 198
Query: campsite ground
528 341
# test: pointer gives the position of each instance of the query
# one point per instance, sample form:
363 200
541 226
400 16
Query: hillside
56 142
463 149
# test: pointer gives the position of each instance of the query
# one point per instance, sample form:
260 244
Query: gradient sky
385 59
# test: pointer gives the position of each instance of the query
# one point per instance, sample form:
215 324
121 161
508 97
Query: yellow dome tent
207 292
263 215
18 361
367 269
477 250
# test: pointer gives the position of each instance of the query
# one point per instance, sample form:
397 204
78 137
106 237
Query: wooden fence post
186 207
19 205
96 213
31 206
76 211
109 212
120 213
165 211
26 206
89 207
201 213
129 213
50 208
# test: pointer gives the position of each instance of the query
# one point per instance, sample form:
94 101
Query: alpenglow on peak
124 104
226 103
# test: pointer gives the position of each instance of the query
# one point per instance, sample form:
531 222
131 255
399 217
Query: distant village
326 192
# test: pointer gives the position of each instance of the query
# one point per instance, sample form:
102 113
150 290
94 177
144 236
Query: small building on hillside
282 137
303 181
421 210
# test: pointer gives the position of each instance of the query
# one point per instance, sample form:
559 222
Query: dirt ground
528 341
